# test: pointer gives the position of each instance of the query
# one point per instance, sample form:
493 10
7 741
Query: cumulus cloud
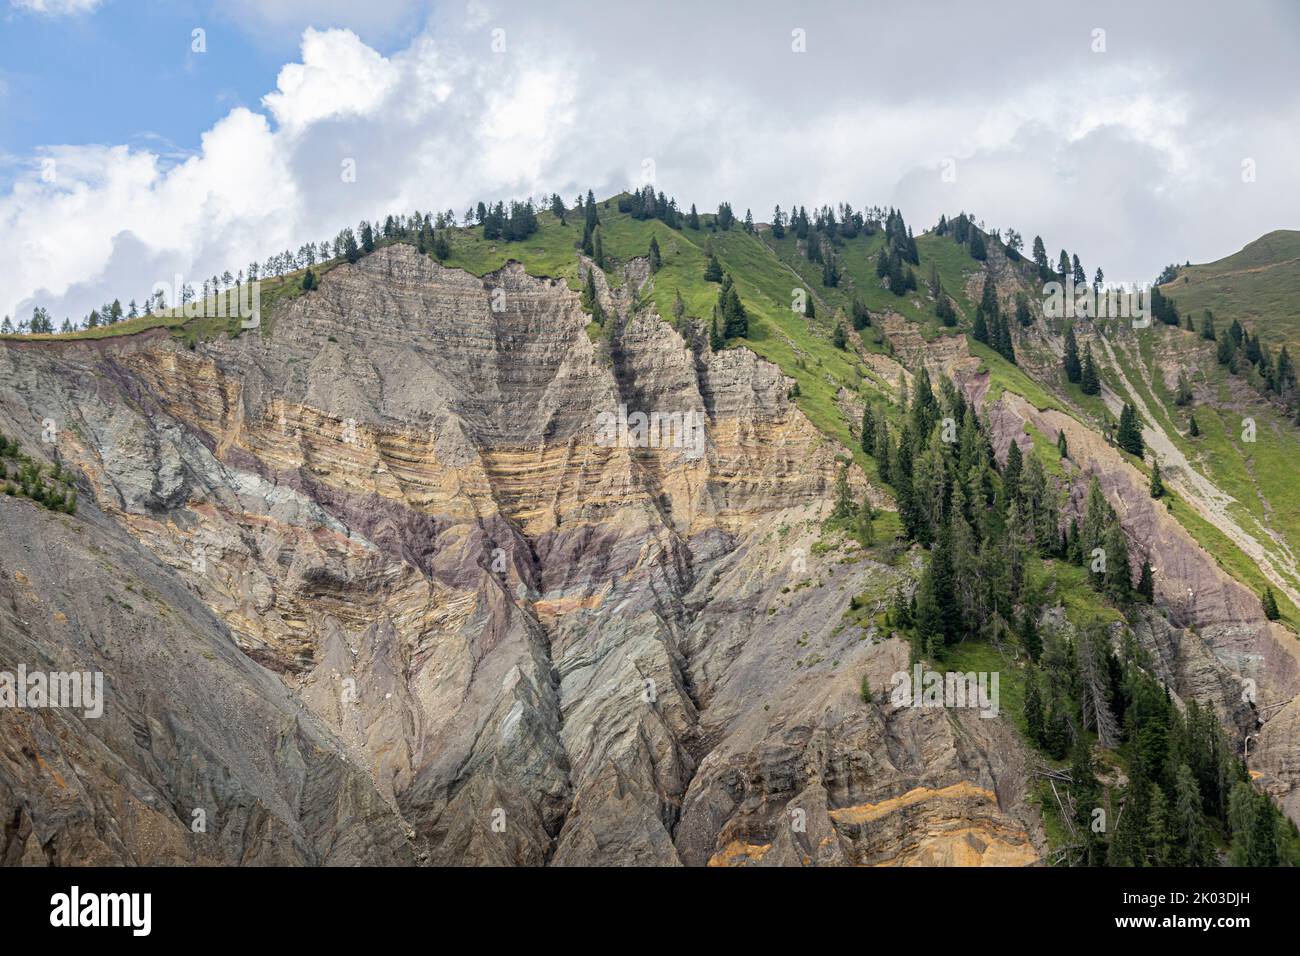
1130 158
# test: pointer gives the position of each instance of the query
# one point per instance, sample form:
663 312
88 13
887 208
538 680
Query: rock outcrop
395 598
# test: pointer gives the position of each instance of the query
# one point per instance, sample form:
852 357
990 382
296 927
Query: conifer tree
1033 707
866 521
868 432
1157 486
843 497
881 453
1269 603
1073 369
1089 383
1011 471
1040 259
1146 582
1207 326
1129 434
713 269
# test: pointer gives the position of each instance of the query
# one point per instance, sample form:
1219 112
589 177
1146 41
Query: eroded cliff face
416 610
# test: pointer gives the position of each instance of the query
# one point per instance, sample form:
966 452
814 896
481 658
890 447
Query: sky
143 139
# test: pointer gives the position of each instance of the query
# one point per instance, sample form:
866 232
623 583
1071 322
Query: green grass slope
1260 286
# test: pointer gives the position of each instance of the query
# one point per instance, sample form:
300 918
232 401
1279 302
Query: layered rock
393 513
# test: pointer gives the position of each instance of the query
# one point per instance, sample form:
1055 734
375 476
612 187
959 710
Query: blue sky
126 159
124 72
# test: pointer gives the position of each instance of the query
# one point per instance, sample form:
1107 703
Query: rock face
373 586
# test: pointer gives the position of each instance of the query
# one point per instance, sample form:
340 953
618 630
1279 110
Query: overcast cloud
1132 157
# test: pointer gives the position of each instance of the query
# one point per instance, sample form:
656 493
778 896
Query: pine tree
1061 444
1157 486
1011 472
881 453
1040 258
1029 636
1157 834
1193 429
866 522
1129 434
1089 383
654 258
713 269
843 497
1184 394
1073 370
1146 582
1033 707
868 435
1269 603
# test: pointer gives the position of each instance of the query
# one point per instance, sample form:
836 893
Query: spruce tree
713 269
868 435
1033 707
1157 486
1073 369
1129 434
1269 603
1089 383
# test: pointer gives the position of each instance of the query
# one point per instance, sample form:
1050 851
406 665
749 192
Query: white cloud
338 76
1129 163
57 8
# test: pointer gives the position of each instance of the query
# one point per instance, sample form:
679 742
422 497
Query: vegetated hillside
1260 286
561 652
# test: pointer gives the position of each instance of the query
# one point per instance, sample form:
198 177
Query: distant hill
1260 286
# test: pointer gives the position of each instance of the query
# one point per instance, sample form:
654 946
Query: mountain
1260 285
369 584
